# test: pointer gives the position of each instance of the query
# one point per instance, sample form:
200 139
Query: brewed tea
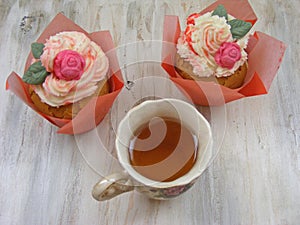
163 149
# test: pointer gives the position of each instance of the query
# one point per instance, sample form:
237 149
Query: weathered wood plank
255 179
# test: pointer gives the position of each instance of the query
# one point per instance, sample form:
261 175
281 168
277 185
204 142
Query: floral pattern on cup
166 193
174 191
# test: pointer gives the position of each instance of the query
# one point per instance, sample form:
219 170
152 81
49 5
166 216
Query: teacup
129 179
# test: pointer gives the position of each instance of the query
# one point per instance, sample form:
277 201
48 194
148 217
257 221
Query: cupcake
212 48
66 72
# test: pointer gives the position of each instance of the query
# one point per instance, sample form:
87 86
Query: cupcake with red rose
67 70
212 48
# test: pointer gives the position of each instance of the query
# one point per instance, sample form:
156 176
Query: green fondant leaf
221 12
239 28
37 49
36 74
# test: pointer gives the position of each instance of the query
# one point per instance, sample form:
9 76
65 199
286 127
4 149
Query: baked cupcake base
236 80
67 111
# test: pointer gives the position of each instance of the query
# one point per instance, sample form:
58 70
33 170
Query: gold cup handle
112 186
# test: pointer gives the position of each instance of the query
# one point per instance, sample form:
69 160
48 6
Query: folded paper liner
96 109
265 54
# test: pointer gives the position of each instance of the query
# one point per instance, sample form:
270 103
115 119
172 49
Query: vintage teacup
130 179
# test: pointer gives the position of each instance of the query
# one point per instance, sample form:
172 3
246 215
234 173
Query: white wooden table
255 178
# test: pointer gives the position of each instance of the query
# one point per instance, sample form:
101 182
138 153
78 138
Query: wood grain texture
255 178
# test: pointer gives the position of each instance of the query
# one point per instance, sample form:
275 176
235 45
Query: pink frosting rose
68 65
228 54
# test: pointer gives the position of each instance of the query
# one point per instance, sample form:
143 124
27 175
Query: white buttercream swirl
56 92
208 34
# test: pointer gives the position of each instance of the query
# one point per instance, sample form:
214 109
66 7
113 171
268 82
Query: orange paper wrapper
96 109
265 54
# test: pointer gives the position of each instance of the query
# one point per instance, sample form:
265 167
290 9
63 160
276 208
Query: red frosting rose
188 37
68 65
228 54
191 18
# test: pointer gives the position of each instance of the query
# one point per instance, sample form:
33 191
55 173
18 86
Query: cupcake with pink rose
67 70
212 48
